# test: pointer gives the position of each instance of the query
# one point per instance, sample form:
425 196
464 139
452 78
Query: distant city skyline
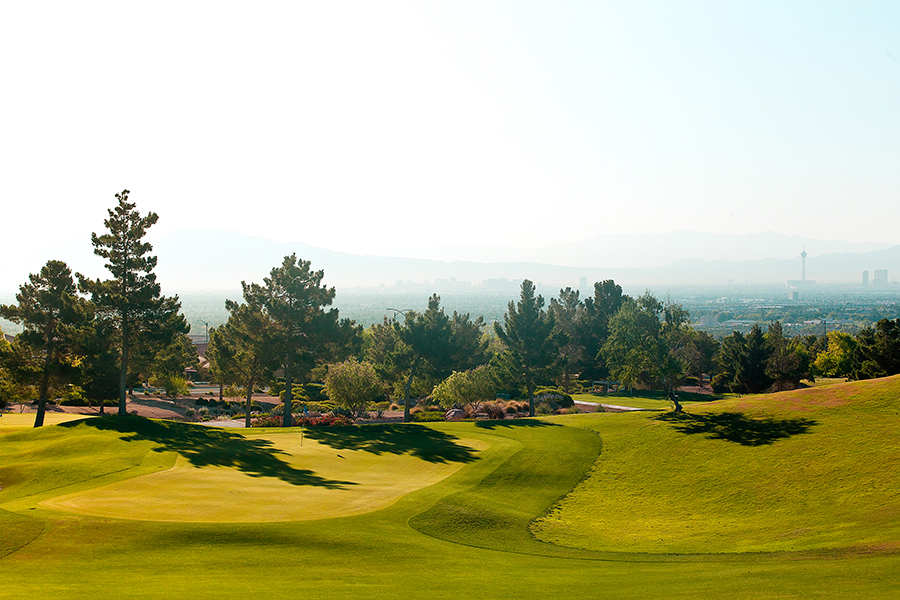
405 128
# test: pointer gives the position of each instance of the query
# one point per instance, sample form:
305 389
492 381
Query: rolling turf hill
784 495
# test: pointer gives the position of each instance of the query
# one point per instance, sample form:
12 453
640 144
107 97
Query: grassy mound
810 470
606 484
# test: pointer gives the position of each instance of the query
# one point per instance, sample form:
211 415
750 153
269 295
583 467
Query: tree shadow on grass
209 446
509 423
417 440
737 427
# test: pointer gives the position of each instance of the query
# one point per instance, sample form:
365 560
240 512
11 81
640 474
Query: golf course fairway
789 495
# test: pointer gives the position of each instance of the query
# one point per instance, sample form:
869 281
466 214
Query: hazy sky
392 127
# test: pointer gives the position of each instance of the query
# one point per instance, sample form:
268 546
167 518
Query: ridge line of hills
197 260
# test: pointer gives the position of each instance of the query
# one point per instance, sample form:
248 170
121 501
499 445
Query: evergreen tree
241 352
877 351
54 318
751 370
569 313
294 298
428 338
528 334
598 310
131 300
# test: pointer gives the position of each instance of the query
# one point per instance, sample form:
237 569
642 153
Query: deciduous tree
353 385
471 388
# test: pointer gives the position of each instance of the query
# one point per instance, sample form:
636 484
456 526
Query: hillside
806 470
786 495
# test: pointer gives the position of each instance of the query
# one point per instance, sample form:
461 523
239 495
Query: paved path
223 423
611 407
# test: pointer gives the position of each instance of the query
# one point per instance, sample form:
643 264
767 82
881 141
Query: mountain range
218 260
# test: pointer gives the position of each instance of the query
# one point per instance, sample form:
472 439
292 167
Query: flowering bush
324 421
266 421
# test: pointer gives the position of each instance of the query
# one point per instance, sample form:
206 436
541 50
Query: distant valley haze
654 143
202 260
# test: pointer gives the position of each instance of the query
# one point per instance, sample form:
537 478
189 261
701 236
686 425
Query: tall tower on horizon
803 262
803 281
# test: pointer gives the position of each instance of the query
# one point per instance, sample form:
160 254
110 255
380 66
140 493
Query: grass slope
468 533
811 470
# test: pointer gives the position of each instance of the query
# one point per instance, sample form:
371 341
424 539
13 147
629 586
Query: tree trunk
42 397
221 388
529 384
123 371
412 373
249 404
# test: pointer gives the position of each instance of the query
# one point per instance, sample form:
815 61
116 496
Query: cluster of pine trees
97 338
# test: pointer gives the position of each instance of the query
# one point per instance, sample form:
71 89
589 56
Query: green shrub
201 402
74 396
543 408
315 392
554 396
276 388
427 415
174 385
322 407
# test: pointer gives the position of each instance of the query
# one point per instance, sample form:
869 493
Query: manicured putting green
349 482
13 421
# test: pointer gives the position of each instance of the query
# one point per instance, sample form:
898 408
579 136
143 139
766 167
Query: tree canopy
54 318
131 299
528 334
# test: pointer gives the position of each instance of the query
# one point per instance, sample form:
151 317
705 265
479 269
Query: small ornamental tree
466 388
353 385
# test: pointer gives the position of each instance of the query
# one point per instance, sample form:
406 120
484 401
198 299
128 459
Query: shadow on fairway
208 446
417 440
738 428
510 423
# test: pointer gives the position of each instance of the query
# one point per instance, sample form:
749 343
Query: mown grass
810 470
468 534
15 421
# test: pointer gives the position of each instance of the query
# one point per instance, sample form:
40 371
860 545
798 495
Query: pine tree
528 335
241 352
294 298
54 317
428 338
131 299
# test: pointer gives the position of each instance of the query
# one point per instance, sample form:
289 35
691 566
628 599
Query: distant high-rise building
881 277
865 278
582 284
